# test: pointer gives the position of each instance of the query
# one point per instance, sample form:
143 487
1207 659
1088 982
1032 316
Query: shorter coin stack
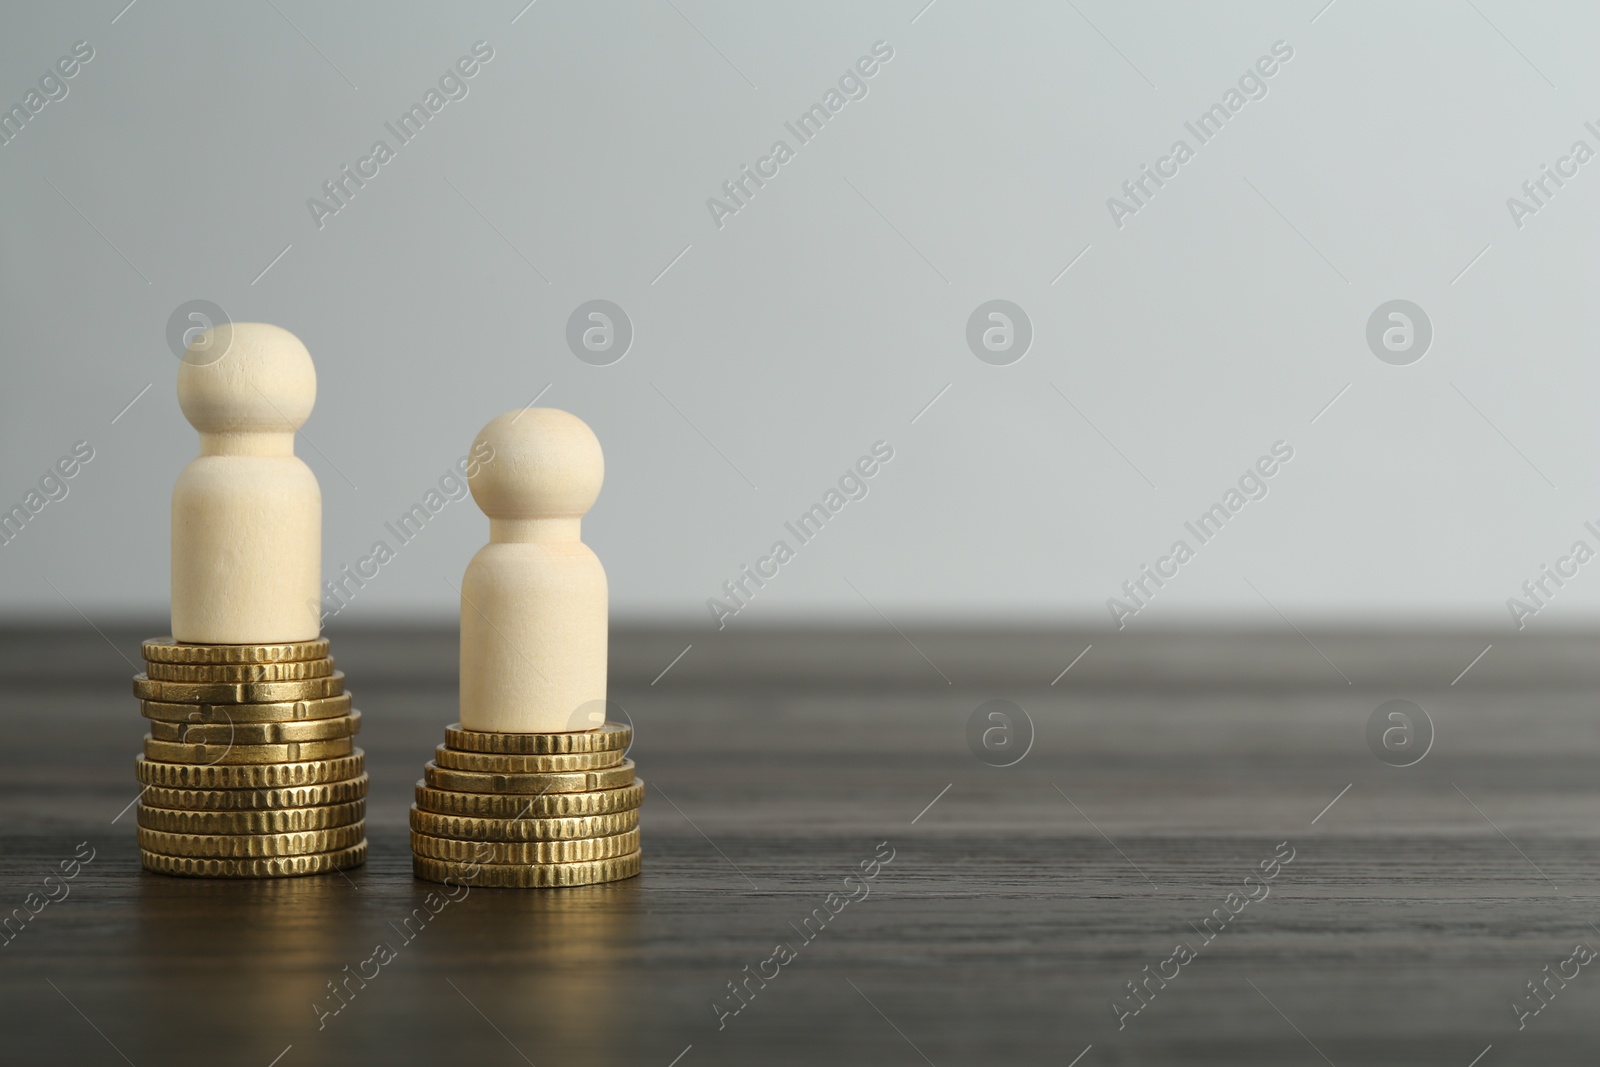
528 810
249 769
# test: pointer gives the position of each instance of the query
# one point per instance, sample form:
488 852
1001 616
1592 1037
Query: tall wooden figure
246 512
250 768
532 788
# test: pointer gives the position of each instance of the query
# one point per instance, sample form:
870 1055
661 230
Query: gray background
826 315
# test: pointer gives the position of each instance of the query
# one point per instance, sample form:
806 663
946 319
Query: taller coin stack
249 769
528 810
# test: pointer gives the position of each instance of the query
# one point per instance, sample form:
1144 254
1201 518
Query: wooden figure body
247 512
533 600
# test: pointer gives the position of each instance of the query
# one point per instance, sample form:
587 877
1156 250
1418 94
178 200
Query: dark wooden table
1019 903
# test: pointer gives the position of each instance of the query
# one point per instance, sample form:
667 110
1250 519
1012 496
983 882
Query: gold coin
278 711
511 806
292 671
294 752
554 782
167 650
270 867
613 735
279 821
251 846
576 851
256 733
237 692
497 763
269 799
249 775
526 875
567 828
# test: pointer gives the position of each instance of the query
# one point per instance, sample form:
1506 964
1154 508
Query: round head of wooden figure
263 381
538 472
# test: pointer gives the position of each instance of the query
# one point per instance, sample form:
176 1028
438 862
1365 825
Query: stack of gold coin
528 810
250 769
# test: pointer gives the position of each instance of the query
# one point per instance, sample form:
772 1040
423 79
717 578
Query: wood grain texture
1014 911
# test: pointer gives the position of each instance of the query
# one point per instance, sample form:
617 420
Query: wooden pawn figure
533 600
247 512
